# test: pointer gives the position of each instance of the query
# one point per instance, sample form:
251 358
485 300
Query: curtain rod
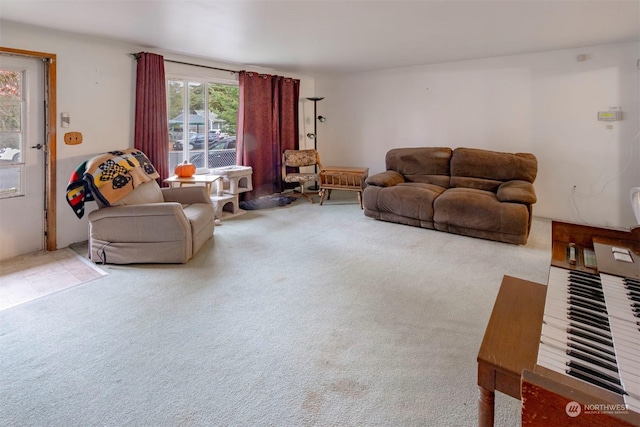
137 56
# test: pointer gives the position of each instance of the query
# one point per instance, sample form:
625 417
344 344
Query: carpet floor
302 315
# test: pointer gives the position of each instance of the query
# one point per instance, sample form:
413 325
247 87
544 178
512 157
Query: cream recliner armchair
152 225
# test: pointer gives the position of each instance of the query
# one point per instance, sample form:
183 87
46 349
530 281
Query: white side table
207 180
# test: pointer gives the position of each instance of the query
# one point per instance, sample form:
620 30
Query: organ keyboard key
591 331
587 370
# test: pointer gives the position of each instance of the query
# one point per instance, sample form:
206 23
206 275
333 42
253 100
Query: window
12 107
202 123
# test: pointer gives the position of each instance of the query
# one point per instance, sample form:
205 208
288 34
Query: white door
21 156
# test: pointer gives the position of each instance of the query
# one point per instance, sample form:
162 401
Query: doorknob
37 147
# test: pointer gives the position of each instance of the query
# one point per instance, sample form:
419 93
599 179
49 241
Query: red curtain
267 125
151 123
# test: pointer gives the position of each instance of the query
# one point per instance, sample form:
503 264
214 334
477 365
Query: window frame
206 80
22 137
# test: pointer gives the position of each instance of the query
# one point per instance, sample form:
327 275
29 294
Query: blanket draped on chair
108 178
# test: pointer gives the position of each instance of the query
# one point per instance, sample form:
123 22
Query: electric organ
585 370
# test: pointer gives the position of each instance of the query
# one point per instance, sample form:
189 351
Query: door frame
50 152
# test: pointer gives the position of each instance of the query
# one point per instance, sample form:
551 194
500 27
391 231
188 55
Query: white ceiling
311 37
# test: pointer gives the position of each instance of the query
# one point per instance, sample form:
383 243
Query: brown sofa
468 191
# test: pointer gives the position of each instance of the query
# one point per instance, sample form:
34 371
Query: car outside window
212 109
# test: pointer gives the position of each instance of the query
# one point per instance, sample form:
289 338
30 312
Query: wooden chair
296 159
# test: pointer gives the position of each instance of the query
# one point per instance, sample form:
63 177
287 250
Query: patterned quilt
108 178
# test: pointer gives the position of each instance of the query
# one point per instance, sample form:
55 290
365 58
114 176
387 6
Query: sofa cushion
486 170
148 192
429 165
468 208
409 199
475 183
149 222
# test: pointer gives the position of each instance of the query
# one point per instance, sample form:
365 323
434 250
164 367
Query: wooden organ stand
510 348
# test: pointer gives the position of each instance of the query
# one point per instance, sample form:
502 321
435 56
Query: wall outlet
73 138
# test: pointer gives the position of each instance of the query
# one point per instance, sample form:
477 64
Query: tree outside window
203 135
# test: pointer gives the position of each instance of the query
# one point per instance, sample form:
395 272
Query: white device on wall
610 116
635 202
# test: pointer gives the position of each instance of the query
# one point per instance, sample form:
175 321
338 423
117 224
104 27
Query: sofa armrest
385 179
517 191
187 195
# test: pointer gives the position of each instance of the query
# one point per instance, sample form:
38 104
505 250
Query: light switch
65 121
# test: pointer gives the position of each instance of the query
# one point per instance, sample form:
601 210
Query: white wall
96 86
543 103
